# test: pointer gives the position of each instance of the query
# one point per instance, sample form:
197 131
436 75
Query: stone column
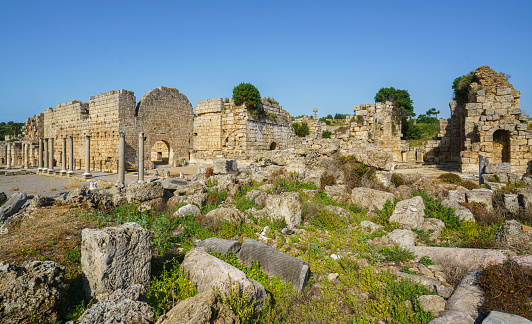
70 155
51 155
87 173
8 155
40 154
315 113
45 165
141 157
63 157
26 156
121 157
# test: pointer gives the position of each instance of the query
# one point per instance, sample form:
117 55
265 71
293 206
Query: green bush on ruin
248 94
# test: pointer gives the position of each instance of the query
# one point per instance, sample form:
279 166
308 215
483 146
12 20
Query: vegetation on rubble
301 129
10 128
248 94
460 87
326 134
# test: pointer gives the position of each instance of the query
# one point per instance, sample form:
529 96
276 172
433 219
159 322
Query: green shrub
469 185
357 174
434 209
460 87
327 180
452 178
73 255
326 134
397 180
248 94
301 130
426 261
397 254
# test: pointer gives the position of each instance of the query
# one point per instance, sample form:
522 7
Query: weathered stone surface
136 193
469 258
224 166
495 317
409 213
524 197
371 226
31 293
494 168
285 206
337 193
462 212
314 175
3 198
123 306
204 308
402 237
114 258
187 210
483 196
227 214
339 211
370 155
12 206
441 290
207 271
432 303
196 199
433 224
464 305
190 189
432 187
219 245
275 263
102 200
370 198
258 196
456 196
511 203
384 178
173 183
402 192
512 236
40 201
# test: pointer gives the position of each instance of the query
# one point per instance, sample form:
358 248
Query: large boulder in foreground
137 193
31 293
114 258
370 198
123 306
275 263
208 272
204 308
514 236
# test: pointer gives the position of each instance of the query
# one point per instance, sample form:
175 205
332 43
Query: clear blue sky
330 55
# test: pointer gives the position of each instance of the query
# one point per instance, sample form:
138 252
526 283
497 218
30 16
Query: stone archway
160 153
501 146
273 146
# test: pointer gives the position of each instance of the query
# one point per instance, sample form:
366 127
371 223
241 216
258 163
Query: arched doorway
160 153
273 146
501 146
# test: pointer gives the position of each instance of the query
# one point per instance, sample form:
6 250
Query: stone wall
163 114
222 129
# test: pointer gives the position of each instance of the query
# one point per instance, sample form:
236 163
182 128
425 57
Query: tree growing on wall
301 130
248 94
403 105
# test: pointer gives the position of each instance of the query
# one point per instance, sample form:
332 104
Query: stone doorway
273 146
501 146
160 153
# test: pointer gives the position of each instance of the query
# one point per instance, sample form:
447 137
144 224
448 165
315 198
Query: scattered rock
122 306
114 258
139 192
207 271
333 276
460 211
402 237
337 193
370 198
511 235
188 210
40 201
483 196
3 198
369 154
431 187
432 303
339 211
435 225
495 317
12 206
402 192
456 196
371 226
219 245
275 263
285 206
224 166
31 293
409 213
204 308
511 203
226 214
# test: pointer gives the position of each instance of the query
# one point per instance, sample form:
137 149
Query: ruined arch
501 146
160 153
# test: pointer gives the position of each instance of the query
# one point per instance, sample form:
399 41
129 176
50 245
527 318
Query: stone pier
8 155
141 157
40 154
70 155
63 157
51 155
45 159
87 173
121 157
26 157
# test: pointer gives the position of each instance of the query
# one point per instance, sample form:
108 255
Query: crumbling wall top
489 80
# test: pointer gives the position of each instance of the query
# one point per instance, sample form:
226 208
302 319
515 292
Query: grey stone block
220 245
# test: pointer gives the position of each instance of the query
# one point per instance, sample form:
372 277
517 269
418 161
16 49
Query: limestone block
187 210
496 317
462 212
114 258
433 224
370 198
432 303
483 196
219 245
403 237
370 226
514 236
409 213
469 258
337 193
455 195
275 263
208 272
504 91
224 214
286 206
511 203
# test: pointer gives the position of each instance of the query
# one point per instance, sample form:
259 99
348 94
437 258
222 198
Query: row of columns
46 153
9 155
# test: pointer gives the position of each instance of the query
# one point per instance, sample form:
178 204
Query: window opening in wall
160 153
501 146
273 146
